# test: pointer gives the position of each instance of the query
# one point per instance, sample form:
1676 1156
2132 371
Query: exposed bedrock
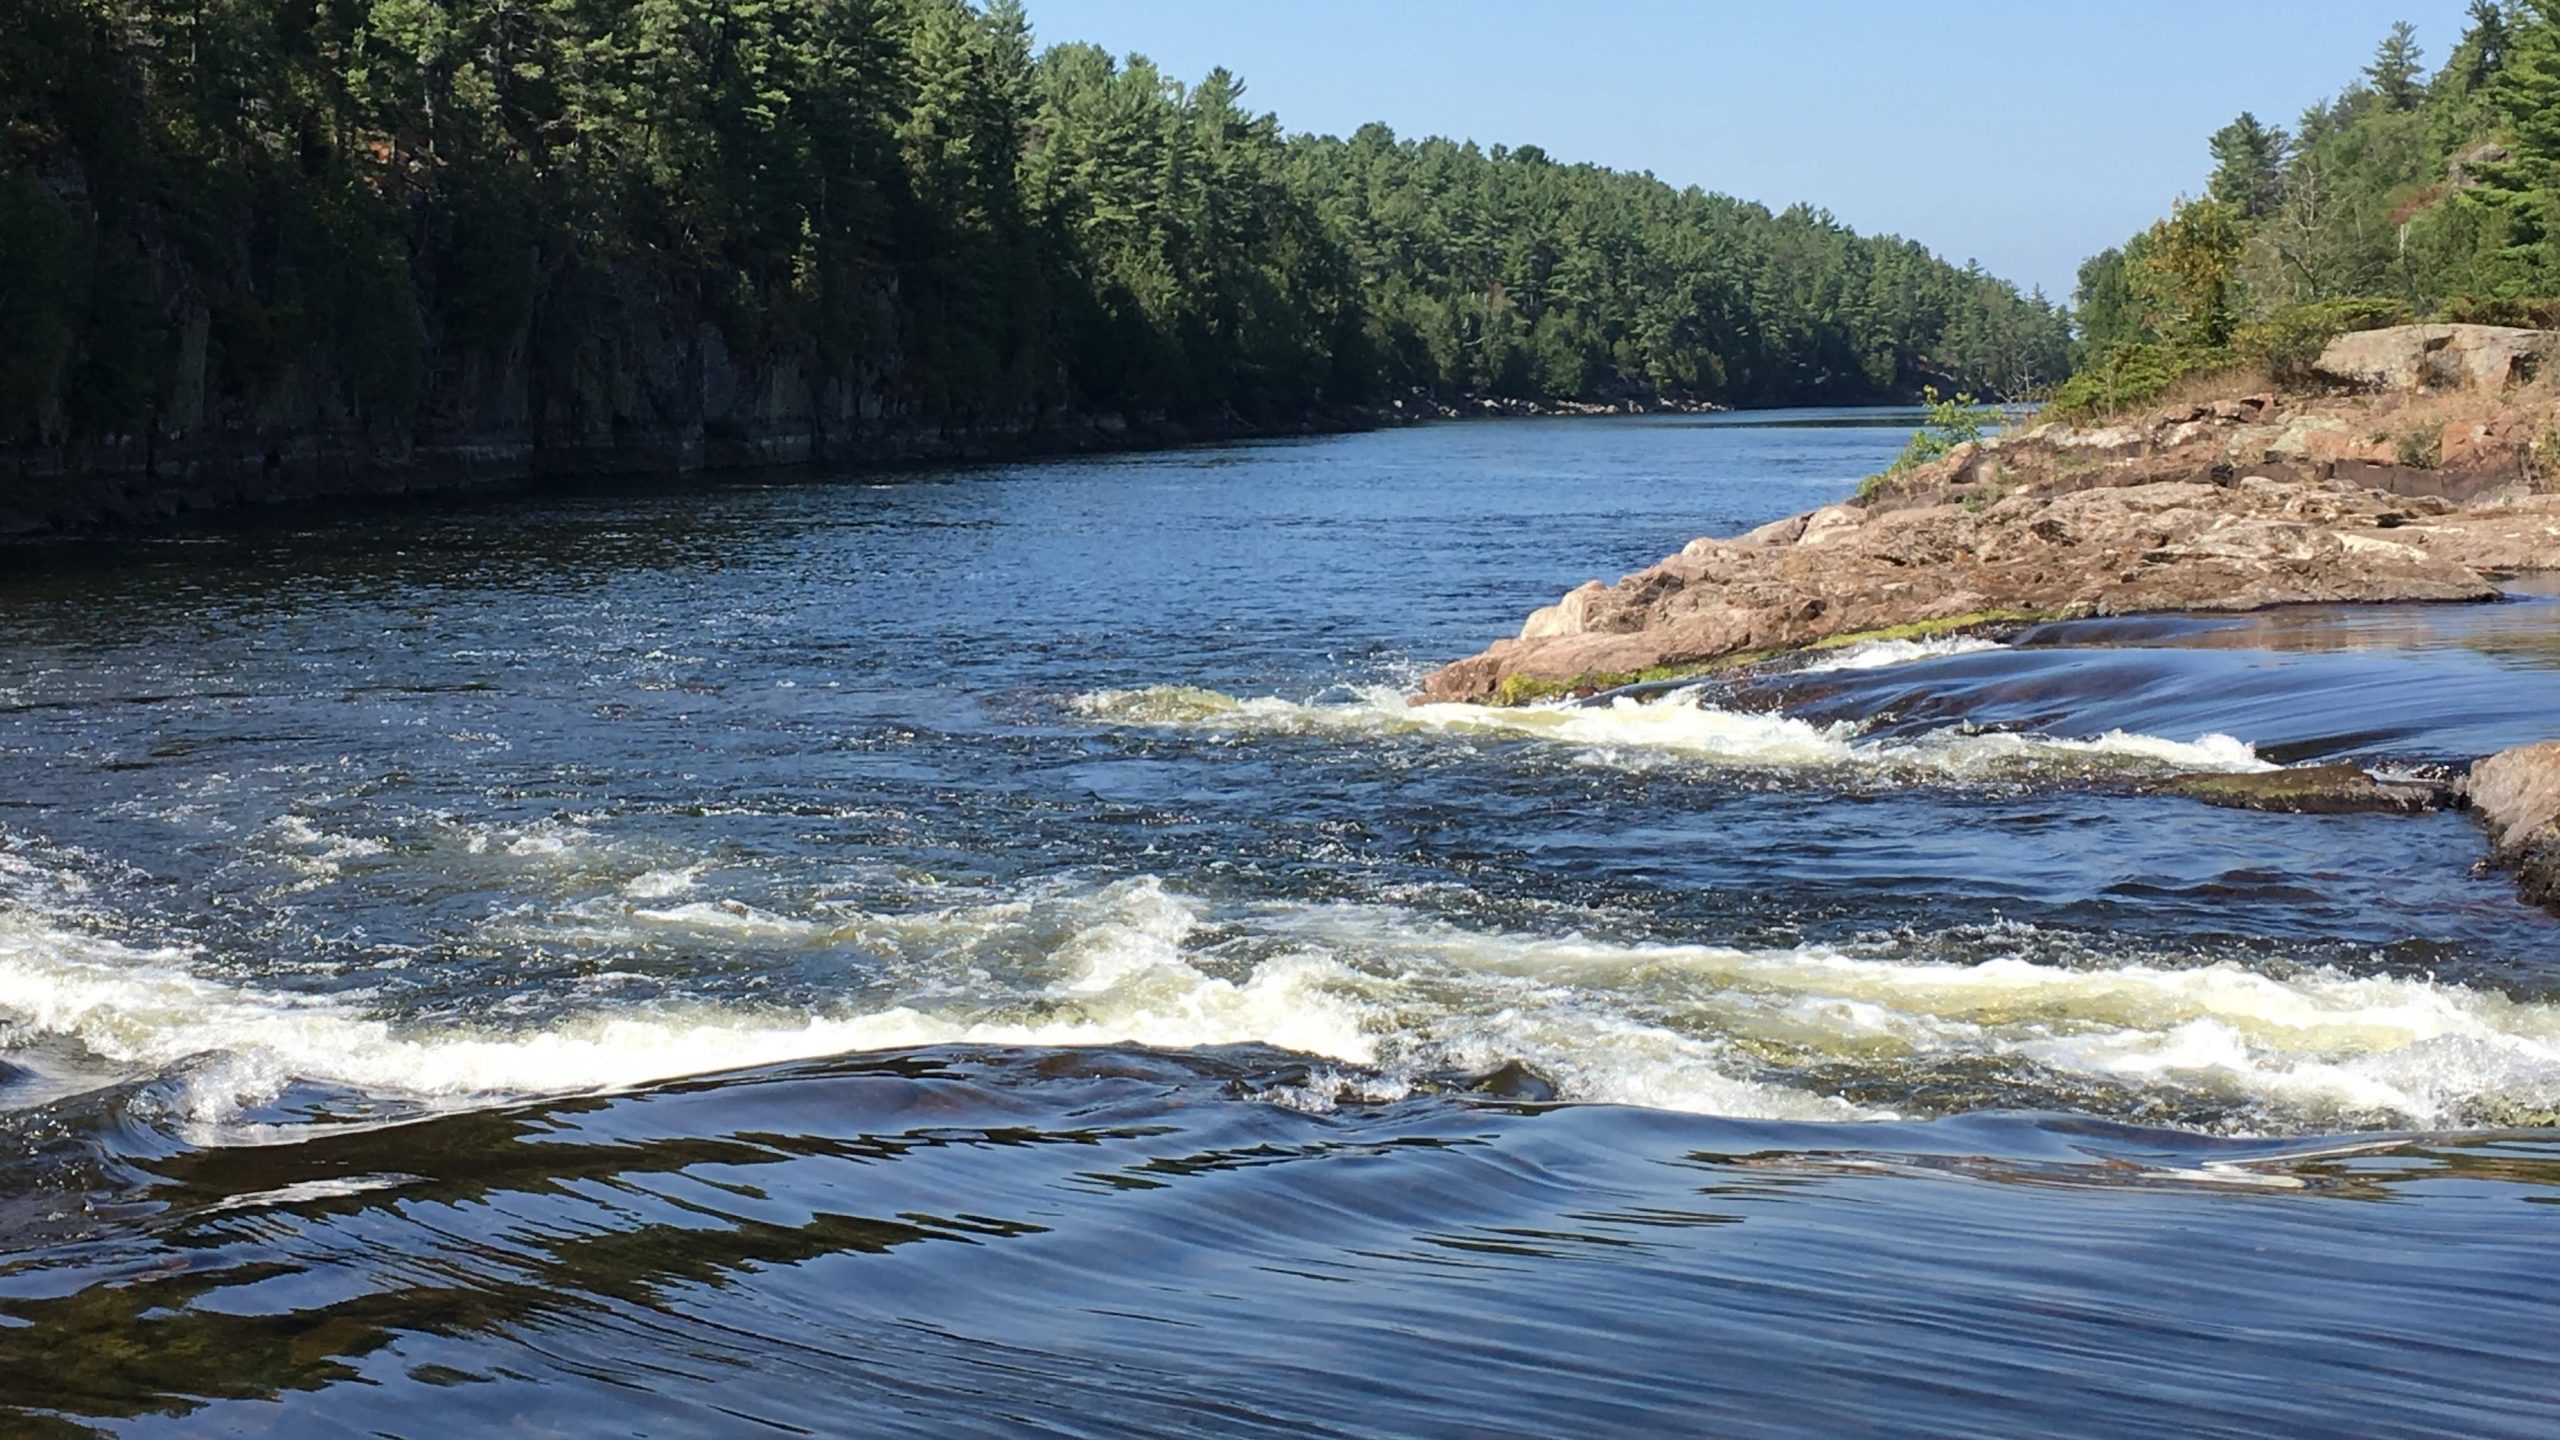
2517 794
2244 544
2423 490
2418 357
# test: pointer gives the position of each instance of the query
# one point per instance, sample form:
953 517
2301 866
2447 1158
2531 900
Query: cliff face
622 373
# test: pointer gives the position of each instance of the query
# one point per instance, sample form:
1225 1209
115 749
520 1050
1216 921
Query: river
989 952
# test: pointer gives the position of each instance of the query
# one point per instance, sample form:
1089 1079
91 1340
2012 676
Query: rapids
992 950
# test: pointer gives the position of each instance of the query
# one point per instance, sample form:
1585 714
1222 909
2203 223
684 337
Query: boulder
2517 793
2462 170
2486 358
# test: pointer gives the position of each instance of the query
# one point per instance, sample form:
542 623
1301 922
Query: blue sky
2026 134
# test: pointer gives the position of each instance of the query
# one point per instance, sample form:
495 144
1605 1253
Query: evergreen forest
240 213
2415 193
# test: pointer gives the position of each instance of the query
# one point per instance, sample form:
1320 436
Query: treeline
2410 195
236 213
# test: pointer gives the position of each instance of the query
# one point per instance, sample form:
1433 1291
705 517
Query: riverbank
134 485
2427 468
2404 488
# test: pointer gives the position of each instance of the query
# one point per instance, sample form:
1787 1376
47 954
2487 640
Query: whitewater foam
319 855
2314 1047
1880 654
1393 995
152 1008
1679 725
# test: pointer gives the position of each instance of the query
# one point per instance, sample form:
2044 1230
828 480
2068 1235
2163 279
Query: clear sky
2026 134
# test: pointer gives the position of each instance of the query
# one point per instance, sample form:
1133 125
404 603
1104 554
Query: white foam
316 853
2318 1047
1396 995
1678 725
151 1008
543 842
1878 654
662 884
727 917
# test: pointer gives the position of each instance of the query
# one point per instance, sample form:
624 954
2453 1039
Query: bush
2420 447
1952 422
2531 313
2130 376
2288 342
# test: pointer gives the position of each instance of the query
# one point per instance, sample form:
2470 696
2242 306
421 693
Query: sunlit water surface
991 952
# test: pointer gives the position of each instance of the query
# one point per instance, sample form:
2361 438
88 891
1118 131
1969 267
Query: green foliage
2131 376
2103 306
2529 312
2523 190
2286 343
2248 166
219 213
2397 63
2189 272
2439 195
2484 48
1952 421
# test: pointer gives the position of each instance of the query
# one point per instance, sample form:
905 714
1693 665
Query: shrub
1950 423
1959 421
2545 455
2288 342
2130 376
2531 313
2419 447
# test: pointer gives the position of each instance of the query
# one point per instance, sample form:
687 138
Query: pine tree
2248 165
2397 63
2524 190
2482 52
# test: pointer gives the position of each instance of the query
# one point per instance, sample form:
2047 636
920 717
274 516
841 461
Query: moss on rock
2342 789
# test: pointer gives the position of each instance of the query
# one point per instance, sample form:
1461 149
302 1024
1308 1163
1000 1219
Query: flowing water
991 952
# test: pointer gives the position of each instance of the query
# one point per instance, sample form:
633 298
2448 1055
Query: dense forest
578 219
2409 195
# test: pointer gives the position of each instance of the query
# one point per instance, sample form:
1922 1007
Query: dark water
990 953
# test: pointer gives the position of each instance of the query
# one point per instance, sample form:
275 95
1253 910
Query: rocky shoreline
2426 468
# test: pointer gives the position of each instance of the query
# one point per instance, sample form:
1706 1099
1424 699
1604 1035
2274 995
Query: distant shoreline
124 494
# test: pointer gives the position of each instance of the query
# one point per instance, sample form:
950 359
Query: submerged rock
2517 792
1510 1080
2341 789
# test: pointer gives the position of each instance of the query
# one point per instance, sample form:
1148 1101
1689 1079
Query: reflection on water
992 953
